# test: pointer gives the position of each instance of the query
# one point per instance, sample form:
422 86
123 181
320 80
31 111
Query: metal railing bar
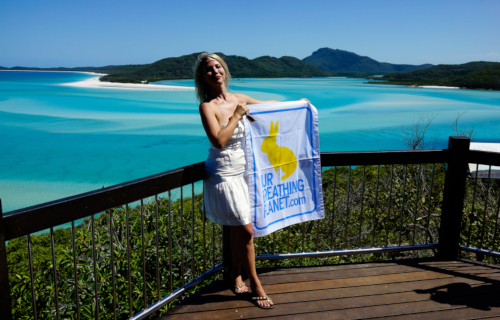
112 253
496 222
416 205
213 245
128 261
317 235
473 205
158 276
170 241
182 236
490 253
204 236
75 271
389 209
94 258
485 214
32 279
144 284
314 254
192 231
20 222
303 237
177 293
402 207
288 240
54 271
375 208
258 246
333 205
362 202
331 159
347 207
428 235
274 242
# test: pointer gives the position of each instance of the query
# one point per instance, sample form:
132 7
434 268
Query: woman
225 194
225 189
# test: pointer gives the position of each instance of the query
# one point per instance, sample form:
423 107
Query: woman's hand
241 110
304 99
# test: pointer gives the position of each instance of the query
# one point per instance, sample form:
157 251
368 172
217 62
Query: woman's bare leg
244 249
236 267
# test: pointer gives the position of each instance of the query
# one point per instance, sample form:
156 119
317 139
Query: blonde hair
202 88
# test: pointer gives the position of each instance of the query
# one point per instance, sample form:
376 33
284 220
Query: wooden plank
358 307
263 272
399 309
338 274
223 302
454 314
363 272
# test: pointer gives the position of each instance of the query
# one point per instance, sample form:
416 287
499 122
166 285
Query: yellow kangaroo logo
280 157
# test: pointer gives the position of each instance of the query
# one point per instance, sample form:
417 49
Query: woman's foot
239 285
260 298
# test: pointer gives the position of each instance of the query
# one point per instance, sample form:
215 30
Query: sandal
255 299
239 289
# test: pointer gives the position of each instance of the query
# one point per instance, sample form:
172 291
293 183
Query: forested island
472 75
240 67
350 64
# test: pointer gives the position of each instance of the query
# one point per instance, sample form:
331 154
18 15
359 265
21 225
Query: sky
75 33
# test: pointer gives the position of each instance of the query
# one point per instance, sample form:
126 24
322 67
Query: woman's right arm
217 136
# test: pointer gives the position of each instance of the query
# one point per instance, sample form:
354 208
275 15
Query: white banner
283 165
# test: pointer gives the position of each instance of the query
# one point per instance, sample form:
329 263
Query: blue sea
57 141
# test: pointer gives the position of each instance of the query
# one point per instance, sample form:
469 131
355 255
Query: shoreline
95 83
87 72
434 87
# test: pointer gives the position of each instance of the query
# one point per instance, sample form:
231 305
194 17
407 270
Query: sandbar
439 87
95 83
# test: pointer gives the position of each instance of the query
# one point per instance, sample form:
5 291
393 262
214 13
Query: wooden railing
375 215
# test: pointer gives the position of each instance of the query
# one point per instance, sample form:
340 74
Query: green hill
240 67
473 75
345 62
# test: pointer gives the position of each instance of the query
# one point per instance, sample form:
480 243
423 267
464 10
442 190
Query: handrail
330 159
28 220
483 157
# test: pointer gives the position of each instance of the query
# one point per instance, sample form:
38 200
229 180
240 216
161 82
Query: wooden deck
414 289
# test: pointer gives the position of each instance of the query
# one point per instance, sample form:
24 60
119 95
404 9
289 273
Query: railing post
226 252
5 302
453 198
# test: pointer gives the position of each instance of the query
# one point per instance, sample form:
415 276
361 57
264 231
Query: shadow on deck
409 289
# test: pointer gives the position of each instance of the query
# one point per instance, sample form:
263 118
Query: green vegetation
240 67
349 63
472 75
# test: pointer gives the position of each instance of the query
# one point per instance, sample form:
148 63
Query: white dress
225 188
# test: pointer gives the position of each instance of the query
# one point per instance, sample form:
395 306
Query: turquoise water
57 141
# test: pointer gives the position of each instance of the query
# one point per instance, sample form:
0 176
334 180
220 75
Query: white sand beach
95 83
438 87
